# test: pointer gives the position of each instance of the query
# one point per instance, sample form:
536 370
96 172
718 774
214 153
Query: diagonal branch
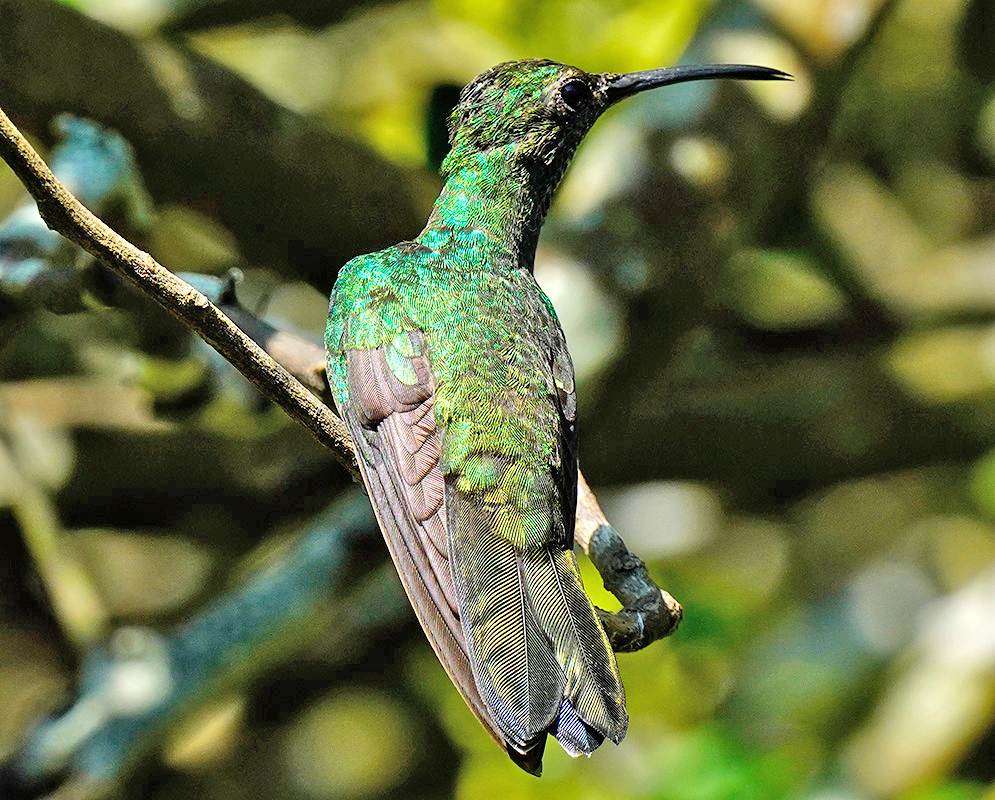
65 214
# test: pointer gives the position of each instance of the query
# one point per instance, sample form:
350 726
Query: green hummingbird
449 366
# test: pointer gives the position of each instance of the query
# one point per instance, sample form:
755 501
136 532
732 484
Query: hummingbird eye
575 94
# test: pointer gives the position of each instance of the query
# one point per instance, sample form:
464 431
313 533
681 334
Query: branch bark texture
65 214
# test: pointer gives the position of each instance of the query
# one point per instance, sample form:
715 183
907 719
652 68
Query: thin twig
65 214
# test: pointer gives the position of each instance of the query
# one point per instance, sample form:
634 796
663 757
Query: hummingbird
451 371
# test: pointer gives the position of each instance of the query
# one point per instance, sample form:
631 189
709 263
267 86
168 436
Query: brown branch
65 214
302 358
649 613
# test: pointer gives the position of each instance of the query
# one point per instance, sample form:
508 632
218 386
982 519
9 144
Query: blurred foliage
781 300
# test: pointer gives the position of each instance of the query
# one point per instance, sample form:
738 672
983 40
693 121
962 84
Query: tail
540 658
593 705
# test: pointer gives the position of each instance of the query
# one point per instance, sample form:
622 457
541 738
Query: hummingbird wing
506 614
390 415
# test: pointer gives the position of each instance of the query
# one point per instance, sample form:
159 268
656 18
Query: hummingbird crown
534 108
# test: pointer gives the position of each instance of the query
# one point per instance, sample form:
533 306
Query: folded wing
496 589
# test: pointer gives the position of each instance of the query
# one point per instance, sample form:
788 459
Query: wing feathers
388 420
495 588
426 494
404 540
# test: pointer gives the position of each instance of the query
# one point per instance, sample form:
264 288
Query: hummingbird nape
450 369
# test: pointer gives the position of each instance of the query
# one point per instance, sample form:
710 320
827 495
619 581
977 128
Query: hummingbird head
539 111
515 128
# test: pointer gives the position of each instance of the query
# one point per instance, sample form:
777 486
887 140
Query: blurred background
781 303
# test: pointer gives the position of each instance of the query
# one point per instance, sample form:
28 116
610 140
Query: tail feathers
531 759
593 686
574 735
514 664
541 660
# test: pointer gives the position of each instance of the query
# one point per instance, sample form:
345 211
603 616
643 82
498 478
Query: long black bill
621 86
